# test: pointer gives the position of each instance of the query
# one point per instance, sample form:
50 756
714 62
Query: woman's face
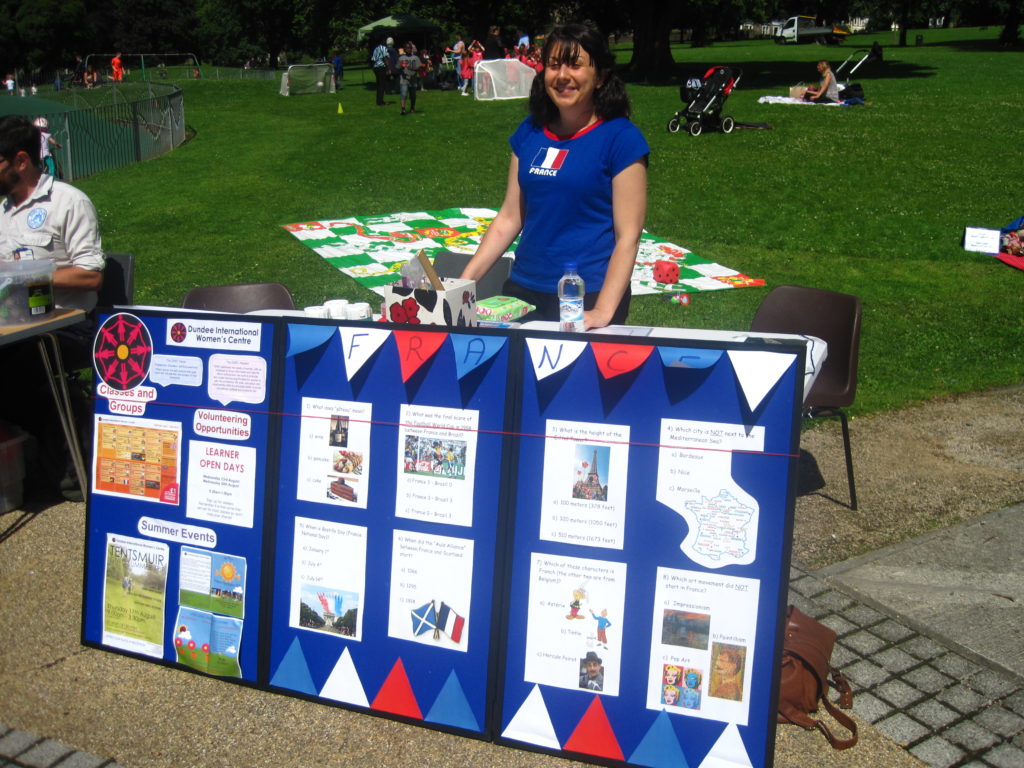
570 84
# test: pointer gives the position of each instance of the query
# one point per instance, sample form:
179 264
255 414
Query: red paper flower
206 647
412 310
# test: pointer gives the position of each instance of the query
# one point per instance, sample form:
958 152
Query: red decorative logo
122 352
178 332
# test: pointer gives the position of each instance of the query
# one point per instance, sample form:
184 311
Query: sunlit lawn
868 200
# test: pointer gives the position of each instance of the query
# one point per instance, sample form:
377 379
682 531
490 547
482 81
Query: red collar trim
581 132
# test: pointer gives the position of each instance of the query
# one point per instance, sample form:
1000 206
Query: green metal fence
115 125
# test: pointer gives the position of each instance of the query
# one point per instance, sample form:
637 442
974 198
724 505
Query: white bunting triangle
532 723
552 355
344 684
758 372
358 345
728 752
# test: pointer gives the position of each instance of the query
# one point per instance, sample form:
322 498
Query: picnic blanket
372 249
856 101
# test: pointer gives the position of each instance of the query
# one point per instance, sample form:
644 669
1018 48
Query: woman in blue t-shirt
577 184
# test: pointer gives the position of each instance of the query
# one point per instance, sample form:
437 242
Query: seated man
42 218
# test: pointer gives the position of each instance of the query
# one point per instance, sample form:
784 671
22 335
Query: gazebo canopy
397 25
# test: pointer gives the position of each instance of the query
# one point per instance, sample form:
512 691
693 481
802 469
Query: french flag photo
549 157
449 622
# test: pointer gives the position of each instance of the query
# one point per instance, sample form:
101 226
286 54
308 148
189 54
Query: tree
652 25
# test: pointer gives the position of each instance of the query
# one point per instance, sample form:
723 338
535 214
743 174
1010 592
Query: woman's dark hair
563 45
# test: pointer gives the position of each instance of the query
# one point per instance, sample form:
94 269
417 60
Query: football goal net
307 78
502 79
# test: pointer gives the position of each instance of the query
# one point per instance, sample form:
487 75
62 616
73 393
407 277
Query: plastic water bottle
570 300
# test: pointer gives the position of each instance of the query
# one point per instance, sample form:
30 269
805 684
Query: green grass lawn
867 200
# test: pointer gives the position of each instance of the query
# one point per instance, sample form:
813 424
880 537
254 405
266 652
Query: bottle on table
570 300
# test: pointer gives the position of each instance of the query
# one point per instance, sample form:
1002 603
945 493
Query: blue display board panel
175 520
650 549
388 525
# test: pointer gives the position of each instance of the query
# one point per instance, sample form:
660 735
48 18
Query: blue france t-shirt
566 187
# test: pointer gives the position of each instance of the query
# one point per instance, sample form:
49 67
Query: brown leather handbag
807 674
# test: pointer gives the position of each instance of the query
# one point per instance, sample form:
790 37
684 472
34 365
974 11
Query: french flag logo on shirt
548 160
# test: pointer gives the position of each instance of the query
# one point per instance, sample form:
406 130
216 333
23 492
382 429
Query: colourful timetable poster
137 457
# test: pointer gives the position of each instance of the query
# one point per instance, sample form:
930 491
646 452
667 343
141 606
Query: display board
575 543
650 561
388 526
181 449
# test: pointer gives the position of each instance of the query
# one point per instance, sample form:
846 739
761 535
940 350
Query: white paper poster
702 644
328 578
574 623
134 594
436 464
431 589
695 480
334 452
221 483
584 493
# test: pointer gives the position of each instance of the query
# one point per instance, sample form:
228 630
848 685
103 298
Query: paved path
930 634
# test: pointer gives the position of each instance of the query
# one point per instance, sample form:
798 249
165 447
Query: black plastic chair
118 280
448 264
239 297
835 318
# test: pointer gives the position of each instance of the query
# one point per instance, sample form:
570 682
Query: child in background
469 60
45 140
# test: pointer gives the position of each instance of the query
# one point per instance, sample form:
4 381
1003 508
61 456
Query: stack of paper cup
318 311
358 311
337 308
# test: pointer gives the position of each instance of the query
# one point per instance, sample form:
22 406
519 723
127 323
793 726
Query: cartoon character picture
603 622
578 596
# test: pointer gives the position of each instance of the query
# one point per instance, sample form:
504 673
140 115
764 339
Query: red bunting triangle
396 695
616 359
415 348
593 734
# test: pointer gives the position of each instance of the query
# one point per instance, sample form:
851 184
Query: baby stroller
704 99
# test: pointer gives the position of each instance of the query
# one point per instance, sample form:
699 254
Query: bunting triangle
473 351
293 672
617 359
659 748
552 355
417 347
728 752
689 357
359 344
302 338
532 723
451 707
593 734
396 695
758 372
343 684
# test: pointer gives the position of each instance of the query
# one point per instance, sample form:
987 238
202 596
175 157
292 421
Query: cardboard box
454 304
797 91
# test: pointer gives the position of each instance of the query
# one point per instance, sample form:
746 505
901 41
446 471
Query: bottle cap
570 266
